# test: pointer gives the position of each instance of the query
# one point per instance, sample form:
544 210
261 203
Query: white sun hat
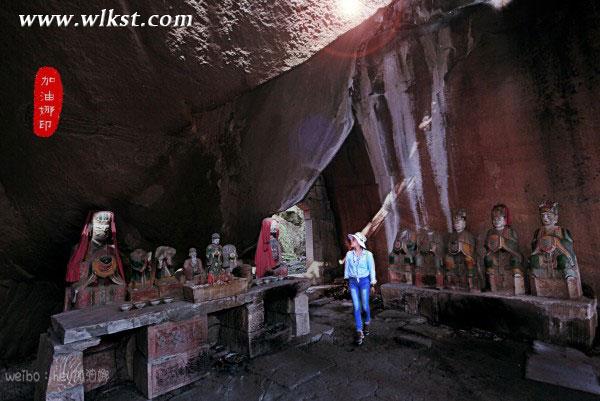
360 238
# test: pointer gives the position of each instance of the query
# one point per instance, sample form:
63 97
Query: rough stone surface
479 105
557 321
564 367
457 366
172 337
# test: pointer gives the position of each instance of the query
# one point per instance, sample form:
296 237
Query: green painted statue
214 259
402 257
502 260
554 268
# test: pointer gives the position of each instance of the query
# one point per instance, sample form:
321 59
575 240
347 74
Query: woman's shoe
359 338
366 330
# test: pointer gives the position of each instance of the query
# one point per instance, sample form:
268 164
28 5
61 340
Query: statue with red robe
95 270
268 258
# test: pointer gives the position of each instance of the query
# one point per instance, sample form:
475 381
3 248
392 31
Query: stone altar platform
557 321
167 344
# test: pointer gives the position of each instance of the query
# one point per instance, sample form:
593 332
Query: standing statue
192 268
141 269
402 257
502 260
164 264
95 271
214 259
268 258
554 268
460 259
429 266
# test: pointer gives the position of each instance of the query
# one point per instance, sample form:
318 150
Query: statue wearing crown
460 260
402 257
95 270
554 268
502 260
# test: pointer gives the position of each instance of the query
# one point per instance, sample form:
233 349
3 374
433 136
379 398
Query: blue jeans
359 290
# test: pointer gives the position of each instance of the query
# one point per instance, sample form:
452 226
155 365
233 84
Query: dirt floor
404 358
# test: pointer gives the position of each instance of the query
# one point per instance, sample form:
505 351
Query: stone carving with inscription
460 260
402 257
554 268
95 271
429 265
502 260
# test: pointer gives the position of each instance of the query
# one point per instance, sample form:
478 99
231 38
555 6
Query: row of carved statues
95 273
420 258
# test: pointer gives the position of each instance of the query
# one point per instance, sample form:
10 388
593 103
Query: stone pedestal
205 292
96 295
170 355
61 369
564 322
174 290
555 287
142 294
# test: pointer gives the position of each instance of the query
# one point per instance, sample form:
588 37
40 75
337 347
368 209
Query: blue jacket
363 267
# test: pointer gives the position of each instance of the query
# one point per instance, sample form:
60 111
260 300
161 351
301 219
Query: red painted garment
82 248
263 259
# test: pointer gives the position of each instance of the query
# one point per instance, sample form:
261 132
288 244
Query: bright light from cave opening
350 8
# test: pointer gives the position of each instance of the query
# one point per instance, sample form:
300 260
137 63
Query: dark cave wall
510 94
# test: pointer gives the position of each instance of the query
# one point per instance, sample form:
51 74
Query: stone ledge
558 321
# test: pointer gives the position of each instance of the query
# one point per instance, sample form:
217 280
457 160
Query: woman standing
360 272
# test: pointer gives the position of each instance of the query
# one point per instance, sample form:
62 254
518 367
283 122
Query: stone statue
141 269
554 268
429 266
402 257
193 269
164 264
214 258
460 259
230 257
502 260
268 258
95 262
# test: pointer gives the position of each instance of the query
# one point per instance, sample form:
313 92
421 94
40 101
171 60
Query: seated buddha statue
429 266
460 260
554 269
402 257
95 271
502 260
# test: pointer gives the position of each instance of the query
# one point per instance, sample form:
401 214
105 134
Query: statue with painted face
502 260
460 260
214 258
429 266
95 270
193 269
554 268
402 257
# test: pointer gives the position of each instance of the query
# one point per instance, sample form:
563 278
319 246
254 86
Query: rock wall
478 104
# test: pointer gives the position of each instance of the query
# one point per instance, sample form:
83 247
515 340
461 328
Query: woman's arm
346 264
371 264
